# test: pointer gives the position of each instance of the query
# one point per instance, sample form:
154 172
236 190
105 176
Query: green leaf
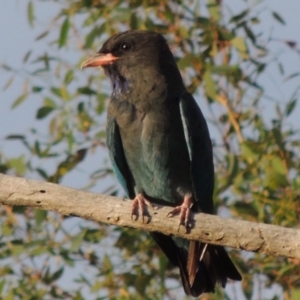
248 209
290 107
56 91
15 137
275 174
69 77
286 270
250 34
292 76
135 3
2 284
37 148
89 39
86 91
44 111
295 294
96 286
209 85
224 69
80 107
278 165
93 235
56 275
18 164
37 89
240 45
42 173
77 241
19 100
233 166
61 92
42 35
187 61
9 82
40 217
255 20
281 68
39 250
6 230
249 152
214 9
18 249
134 24
26 56
203 22
30 13
278 18
275 180
224 34
64 32
49 102
240 16
19 209
101 98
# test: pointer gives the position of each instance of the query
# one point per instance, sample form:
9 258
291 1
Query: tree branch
243 235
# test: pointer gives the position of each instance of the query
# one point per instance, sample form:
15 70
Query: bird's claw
184 211
140 203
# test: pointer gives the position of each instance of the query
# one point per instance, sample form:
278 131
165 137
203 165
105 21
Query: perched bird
160 148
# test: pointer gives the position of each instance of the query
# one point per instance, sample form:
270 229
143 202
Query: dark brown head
138 59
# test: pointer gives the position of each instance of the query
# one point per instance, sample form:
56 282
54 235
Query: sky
17 37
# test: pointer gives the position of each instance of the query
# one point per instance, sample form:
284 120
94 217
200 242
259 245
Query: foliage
223 57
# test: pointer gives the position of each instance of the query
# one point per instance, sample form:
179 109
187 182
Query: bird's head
138 59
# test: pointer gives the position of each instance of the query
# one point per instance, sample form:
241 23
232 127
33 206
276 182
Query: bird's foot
184 211
140 203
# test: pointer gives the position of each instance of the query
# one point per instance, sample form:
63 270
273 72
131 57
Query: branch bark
238 234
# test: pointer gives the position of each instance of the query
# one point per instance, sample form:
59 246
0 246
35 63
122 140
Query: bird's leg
184 211
139 204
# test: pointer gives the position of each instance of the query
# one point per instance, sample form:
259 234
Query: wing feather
117 156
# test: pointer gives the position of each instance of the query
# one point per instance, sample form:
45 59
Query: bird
161 150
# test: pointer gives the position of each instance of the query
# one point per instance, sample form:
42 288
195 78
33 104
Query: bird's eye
125 46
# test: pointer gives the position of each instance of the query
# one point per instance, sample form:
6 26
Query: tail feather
221 260
202 282
192 261
198 276
195 253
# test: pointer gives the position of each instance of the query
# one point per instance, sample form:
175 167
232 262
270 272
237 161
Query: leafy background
245 77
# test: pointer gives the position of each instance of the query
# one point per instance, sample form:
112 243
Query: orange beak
99 60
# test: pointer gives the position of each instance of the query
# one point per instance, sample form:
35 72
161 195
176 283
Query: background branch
243 235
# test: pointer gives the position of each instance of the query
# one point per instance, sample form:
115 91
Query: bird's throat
120 85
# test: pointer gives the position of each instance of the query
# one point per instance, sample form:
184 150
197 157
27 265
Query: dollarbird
161 150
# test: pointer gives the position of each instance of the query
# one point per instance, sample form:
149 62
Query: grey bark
238 234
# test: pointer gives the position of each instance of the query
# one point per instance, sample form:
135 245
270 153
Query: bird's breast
156 151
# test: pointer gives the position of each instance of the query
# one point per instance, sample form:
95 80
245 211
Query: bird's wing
200 151
117 156
202 175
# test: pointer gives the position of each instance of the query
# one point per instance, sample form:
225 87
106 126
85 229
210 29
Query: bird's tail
214 267
201 267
